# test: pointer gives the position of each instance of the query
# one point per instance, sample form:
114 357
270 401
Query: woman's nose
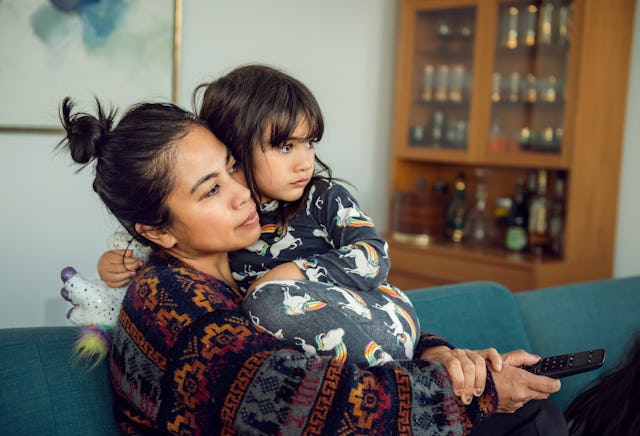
241 194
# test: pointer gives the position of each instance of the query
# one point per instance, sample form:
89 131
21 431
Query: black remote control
564 365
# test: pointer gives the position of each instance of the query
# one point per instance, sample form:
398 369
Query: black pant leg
536 418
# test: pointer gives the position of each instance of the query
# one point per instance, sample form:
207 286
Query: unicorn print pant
366 328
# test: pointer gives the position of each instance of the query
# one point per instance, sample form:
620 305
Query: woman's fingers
493 357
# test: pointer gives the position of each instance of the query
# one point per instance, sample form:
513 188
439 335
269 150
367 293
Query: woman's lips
251 220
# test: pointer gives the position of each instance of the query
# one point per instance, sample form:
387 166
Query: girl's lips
301 182
251 220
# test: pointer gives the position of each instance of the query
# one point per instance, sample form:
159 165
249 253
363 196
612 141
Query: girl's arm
359 259
117 267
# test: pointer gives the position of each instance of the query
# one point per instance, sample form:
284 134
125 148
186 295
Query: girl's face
282 171
212 211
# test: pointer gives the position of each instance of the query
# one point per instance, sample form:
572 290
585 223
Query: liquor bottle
516 236
556 216
501 214
530 190
457 211
479 227
539 217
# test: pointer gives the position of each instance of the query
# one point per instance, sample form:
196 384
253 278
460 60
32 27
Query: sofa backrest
581 316
43 391
473 315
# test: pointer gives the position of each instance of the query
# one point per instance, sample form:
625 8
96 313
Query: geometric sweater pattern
186 359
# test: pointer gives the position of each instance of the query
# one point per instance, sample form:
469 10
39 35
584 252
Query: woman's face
212 211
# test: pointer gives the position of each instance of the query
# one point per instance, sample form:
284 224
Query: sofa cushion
595 314
43 391
473 315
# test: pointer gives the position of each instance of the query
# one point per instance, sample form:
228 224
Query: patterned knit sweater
187 360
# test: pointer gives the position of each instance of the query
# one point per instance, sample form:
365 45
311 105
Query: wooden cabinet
508 87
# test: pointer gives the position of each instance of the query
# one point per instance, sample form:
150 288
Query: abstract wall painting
120 51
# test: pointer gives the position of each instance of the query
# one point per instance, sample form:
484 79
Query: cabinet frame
594 112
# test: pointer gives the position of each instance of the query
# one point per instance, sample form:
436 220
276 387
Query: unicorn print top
331 240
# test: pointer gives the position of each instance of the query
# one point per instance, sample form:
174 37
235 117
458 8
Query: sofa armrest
580 316
43 391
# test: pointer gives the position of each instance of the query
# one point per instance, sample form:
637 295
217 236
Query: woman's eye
311 143
213 191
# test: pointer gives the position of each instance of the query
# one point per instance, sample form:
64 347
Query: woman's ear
157 235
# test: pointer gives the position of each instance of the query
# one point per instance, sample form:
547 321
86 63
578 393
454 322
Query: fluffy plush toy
96 305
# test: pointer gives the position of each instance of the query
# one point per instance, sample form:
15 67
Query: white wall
627 254
343 50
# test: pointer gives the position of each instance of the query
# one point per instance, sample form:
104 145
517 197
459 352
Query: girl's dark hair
610 407
133 161
257 101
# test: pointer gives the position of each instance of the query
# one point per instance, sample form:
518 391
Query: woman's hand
467 368
516 386
115 270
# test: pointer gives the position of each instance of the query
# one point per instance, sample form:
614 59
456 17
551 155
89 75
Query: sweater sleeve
226 376
359 259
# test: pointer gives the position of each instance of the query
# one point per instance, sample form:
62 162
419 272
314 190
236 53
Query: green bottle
516 235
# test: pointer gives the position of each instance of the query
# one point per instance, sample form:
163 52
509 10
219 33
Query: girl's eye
285 148
311 143
235 166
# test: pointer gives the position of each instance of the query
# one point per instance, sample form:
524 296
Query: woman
187 359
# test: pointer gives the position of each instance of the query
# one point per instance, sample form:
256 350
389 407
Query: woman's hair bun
85 133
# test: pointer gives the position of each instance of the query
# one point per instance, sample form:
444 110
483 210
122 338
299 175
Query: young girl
314 235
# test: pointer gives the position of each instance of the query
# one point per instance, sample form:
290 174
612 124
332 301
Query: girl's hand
467 368
117 267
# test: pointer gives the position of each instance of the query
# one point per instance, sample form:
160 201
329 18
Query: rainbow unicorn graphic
332 340
364 257
297 305
375 355
351 216
404 339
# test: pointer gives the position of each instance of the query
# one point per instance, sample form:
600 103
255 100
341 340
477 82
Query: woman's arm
224 372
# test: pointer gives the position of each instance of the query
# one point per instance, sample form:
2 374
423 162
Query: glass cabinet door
441 84
529 77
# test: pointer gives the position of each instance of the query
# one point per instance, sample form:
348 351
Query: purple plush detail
65 294
69 312
67 273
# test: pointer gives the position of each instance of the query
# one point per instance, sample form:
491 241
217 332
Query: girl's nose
305 160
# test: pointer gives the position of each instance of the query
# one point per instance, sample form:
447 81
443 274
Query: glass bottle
516 237
457 211
479 227
539 217
501 217
556 216
529 192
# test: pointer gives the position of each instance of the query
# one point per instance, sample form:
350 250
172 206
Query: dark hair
610 407
239 108
133 161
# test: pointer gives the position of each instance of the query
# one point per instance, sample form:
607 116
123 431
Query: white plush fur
93 301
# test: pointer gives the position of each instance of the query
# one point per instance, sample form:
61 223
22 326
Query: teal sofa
44 392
